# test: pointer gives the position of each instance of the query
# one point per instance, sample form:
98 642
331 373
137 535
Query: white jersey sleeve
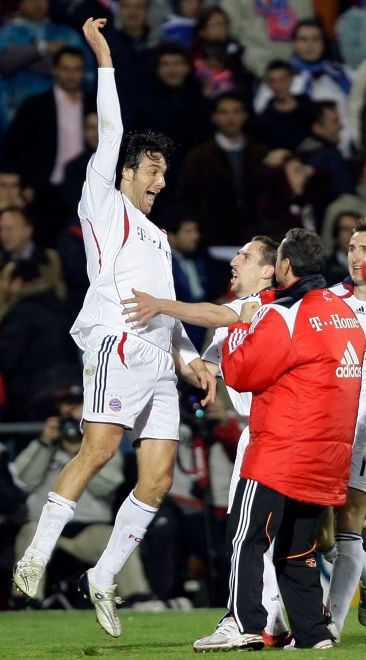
99 193
183 344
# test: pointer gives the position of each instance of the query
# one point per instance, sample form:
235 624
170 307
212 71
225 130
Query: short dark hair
137 145
269 249
19 211
304 250
169 48
361 225
274 65
338 218
316 109
310 22
230 96
25 270
67 50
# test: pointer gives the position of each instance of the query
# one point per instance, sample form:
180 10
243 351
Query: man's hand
248 310
97 42
207 381
51 431
145 307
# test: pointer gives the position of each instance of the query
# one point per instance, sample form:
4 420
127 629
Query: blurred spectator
75 168
220 178
37 468
336 265
317 77
289 197
179 25
12 512
131 52
265 28
11 191
36 353
70 247
358 107
175 106
76 12
16 243
320 148
284 122
348 204
197 276
28 42
47 132
351 31
217 56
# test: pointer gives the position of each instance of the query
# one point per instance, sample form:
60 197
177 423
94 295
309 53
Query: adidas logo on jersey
350 364
360 310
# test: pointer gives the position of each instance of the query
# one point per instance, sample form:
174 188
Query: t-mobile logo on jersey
144 236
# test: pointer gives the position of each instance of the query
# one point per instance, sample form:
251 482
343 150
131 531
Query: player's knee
97 457
157 487
325 538
350 519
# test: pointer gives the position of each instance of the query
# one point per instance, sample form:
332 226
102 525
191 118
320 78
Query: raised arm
143 307
110 127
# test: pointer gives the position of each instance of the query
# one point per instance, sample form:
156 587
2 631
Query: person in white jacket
129 375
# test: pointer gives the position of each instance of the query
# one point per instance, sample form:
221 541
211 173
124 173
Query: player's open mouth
233 276
150 195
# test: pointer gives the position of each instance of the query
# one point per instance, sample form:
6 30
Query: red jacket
303 364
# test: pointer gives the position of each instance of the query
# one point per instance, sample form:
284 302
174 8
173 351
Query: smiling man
129 376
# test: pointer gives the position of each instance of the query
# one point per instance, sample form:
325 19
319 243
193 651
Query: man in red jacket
302 422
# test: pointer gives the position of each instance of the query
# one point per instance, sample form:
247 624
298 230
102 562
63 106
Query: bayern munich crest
115 405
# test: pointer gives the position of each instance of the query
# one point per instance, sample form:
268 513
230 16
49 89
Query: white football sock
276 624
129 529
331 554
363 574
56 513
346 574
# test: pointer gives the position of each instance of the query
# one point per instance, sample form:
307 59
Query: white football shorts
242 444
131 382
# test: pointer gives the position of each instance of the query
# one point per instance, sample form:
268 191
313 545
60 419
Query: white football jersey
241 401
124 249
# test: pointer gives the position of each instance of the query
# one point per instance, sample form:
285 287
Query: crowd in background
266 103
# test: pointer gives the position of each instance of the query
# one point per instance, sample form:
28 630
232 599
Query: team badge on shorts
115 405
311 562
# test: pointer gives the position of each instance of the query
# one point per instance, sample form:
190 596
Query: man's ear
268 272
127 173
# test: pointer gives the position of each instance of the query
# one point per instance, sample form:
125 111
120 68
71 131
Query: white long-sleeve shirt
123 248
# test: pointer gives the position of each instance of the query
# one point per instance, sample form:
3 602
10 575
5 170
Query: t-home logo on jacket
338 322
350 364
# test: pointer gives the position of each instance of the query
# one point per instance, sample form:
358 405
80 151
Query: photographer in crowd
37 467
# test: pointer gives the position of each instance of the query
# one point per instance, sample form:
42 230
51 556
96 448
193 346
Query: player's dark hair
304 250
268 249
361 225
137 145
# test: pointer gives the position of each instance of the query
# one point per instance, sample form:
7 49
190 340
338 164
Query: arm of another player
188 357
143 307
